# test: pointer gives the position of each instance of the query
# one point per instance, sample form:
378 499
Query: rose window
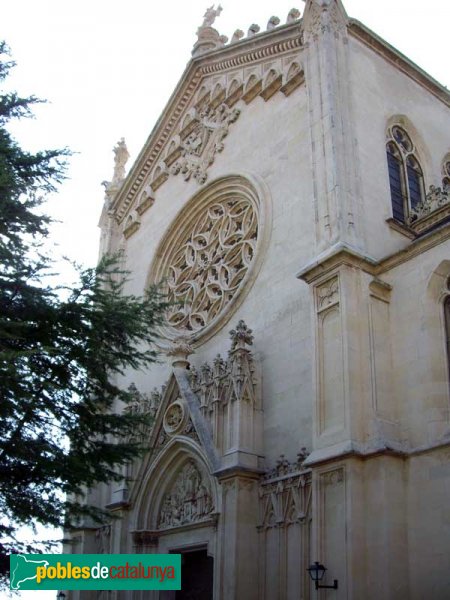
210 255
208 268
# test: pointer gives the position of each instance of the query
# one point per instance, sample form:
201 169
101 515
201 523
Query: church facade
294 199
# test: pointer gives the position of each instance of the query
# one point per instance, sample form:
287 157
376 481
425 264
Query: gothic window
405 173
447 329
446 178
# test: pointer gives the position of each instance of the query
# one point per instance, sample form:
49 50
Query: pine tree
61 351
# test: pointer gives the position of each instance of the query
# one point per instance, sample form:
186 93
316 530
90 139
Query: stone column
357 457
334 157
239 536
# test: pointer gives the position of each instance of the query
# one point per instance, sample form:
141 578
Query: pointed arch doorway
197 575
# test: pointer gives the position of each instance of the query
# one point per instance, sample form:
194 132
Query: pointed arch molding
178 490
211 255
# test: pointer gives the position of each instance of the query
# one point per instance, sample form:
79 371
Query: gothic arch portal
178 490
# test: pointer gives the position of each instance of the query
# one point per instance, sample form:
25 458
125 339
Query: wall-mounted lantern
316 572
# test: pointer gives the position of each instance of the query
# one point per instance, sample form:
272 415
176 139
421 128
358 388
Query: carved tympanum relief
188 501
209 255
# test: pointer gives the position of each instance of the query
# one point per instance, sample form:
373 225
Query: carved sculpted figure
210 15
121 156
189 500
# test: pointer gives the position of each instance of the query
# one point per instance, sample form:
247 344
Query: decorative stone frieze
434 208
198 150
285 500
284 467
189 500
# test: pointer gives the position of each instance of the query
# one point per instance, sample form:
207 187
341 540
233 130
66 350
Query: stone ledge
350 449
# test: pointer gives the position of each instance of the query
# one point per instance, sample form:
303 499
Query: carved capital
179 352
145 538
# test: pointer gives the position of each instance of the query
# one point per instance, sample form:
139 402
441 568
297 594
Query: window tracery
207 269
405 173
446 175
447 325
210 254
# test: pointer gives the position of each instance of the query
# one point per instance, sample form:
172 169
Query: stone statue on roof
121 155
210 15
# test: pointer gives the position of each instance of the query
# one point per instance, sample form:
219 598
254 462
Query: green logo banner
95 572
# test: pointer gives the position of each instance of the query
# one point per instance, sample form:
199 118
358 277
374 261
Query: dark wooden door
196 576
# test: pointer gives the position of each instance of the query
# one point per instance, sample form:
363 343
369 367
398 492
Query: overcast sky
109 67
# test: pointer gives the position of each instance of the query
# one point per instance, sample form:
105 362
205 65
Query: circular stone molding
211 255
174 418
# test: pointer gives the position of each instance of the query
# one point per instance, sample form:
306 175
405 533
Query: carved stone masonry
283 466
323 16
188 501
241 336
174 417
327 294
144 405
206 270
103 539
200 147
121 156
433 201
285 500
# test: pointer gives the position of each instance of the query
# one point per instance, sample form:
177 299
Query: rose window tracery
209 265
210 255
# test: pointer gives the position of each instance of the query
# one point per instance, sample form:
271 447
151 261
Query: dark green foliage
60 352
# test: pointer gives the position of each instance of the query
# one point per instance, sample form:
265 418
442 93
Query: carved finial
206 373
301 457
241 336
237 35
293 15
219 366
179 351
121 155
210 15
194 377
272 23
133 390
253 30
155 399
